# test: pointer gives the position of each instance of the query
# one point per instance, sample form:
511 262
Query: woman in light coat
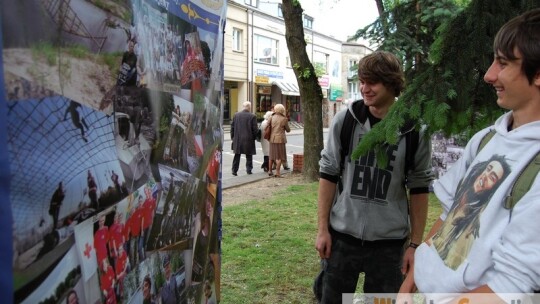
278 139
265 144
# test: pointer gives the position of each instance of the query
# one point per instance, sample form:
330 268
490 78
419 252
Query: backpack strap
485 140
347 128
523 182
412 137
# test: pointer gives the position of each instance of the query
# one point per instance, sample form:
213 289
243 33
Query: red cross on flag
84 240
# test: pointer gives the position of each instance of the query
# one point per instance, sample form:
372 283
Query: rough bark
310 90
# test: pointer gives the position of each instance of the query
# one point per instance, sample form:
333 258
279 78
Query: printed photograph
64 284
134 134
171 227
112 140
55 158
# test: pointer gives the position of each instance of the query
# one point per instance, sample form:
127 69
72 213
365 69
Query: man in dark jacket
243 132
56 203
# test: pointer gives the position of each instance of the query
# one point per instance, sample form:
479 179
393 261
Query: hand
323 244
408 261
404 298
407 289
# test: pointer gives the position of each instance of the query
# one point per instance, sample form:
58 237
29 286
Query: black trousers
236 163
265 163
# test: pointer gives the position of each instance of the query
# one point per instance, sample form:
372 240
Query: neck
528 112
521 118
379 112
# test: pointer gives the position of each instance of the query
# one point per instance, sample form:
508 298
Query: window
266 50
237 40
251 2
353 68
279 11
352 88
308 22
320 62
288 62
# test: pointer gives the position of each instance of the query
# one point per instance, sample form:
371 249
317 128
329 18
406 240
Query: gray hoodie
373 204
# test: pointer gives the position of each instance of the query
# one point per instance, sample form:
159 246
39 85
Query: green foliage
446 47
47 50
112 60
127 16
104 5
305 73
78 51
319 69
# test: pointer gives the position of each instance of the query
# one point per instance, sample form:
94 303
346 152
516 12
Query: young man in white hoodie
479 245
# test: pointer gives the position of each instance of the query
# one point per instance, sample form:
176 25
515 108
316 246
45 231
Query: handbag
268 130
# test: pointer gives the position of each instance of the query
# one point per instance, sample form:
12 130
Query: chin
502 104
369 102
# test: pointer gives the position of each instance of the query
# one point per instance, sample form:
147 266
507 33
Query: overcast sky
340 18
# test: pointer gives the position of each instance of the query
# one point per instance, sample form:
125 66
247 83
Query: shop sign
262 79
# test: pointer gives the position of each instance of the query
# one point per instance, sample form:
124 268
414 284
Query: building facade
351 53
257 65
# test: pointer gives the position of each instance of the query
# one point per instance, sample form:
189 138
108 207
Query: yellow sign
262 79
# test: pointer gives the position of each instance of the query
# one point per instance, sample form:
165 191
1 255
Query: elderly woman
278 139
265 144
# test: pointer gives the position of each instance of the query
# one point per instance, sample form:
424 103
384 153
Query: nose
364 88
491 74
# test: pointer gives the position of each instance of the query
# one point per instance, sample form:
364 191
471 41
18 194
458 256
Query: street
295 145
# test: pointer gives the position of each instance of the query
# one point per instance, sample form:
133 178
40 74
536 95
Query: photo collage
114 138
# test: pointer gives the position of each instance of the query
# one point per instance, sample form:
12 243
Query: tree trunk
308 83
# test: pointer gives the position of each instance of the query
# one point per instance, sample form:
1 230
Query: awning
287 88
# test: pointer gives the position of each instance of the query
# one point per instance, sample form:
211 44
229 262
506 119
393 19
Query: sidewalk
230 181
245 179
295 128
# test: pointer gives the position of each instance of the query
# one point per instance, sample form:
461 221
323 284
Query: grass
46 50
268 253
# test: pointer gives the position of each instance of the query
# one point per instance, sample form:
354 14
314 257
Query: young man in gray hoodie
367 224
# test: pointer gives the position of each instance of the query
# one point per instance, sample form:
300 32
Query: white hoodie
504 251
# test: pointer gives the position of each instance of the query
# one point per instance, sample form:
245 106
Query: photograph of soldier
128 68
56 203
76 119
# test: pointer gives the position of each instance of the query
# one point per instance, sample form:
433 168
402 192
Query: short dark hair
383 67
521 33
147 280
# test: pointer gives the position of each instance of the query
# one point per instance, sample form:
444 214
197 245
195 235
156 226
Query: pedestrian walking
278 139
243 132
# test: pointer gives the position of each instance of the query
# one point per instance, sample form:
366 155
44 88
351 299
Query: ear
536 79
